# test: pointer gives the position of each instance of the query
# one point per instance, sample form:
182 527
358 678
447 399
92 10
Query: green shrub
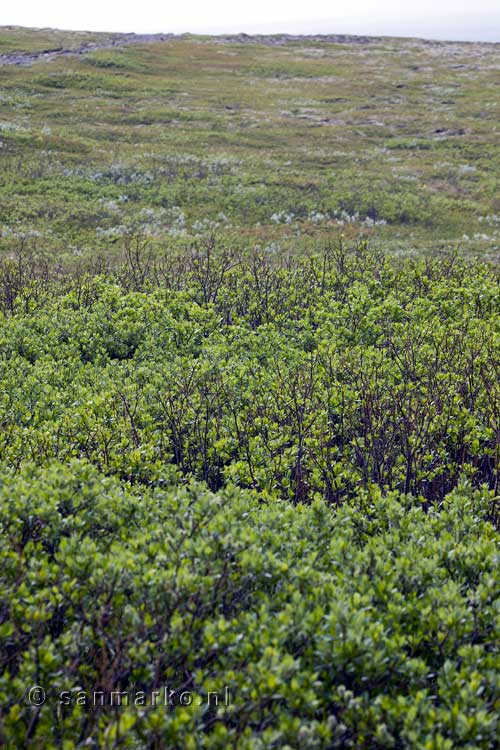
294 378
371 628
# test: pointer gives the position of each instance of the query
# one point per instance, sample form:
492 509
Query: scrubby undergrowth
290 377
267 474
373 627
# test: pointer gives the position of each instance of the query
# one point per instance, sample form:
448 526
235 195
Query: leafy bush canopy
265 477
373 627
292 377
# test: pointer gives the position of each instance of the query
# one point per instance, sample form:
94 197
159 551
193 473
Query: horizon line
266 33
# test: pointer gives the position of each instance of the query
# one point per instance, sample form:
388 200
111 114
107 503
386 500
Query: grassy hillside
277 141
249 394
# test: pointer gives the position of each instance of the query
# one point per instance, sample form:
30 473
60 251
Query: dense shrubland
252 470
373 627
291 377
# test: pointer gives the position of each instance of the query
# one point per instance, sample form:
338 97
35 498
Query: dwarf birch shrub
372 627
274 481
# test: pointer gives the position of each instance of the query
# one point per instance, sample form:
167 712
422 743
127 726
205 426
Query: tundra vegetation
250 393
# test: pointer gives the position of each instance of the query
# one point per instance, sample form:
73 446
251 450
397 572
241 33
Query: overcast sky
440 19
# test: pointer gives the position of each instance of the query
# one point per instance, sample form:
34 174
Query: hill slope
271 139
